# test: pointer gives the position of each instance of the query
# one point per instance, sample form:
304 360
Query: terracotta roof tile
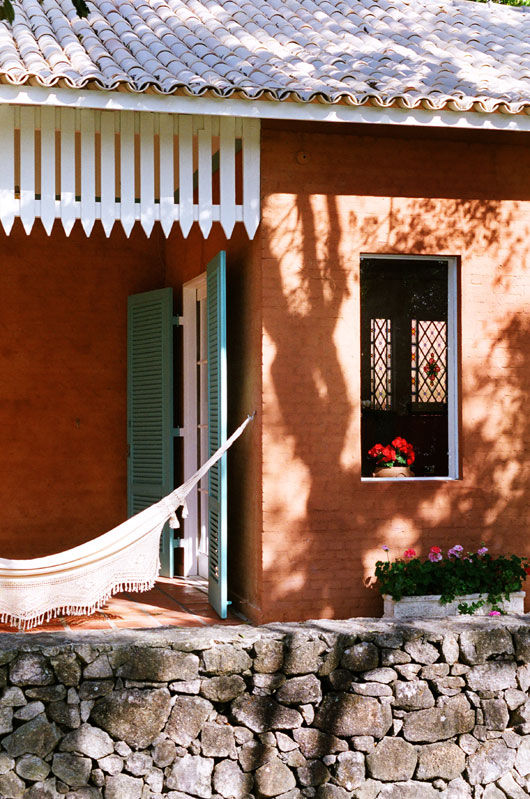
426 53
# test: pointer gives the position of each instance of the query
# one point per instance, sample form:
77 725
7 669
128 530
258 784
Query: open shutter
150 407
217 424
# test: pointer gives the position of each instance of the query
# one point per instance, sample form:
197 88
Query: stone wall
363 709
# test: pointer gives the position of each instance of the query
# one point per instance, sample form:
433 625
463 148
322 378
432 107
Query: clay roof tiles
411 52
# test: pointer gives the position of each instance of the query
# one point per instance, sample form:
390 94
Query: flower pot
393 471
429 607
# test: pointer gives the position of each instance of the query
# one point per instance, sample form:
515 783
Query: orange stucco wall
63 382
328 196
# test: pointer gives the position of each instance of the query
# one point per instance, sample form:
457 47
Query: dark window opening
404 360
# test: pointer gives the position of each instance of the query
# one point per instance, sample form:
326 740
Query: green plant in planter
456 574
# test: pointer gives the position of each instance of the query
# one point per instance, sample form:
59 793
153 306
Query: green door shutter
150 407
217 424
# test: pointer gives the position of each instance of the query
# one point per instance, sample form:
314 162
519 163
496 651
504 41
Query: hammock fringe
29 621
79 581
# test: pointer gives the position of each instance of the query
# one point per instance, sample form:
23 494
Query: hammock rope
80 581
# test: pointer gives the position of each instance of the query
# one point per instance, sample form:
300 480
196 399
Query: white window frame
452 365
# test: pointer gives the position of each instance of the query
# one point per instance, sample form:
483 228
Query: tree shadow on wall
324 544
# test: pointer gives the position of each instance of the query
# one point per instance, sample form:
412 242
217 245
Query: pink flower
494 613
409 553
384 548
435 556
482 551
456 551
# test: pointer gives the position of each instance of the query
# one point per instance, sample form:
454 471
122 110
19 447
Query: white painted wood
79 174
204 139
167 188
147 173
260 109
108 172
185 174
88 170
452 367
127 191
190 410
27 167
251 175
227 174
47 166
7 172
68 210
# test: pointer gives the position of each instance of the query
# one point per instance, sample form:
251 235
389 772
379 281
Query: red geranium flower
388 454
400 443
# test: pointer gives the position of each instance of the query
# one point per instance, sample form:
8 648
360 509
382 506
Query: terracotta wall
63 382
328 196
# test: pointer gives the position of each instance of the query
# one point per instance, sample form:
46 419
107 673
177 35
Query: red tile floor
176 602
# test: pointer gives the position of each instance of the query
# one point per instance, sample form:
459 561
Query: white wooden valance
127 167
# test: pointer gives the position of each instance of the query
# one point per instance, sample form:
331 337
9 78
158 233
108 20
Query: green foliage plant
452 576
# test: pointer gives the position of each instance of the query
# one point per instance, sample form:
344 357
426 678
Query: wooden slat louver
217 431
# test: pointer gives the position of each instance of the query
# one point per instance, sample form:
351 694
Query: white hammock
81 580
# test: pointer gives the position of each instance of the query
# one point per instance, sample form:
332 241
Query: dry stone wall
363 709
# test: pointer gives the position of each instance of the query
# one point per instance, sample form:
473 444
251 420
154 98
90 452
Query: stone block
452 718
363 656
492 676
413 695
88 740
346 715
122 786
349 770
223 688
268 656
192 775
35 737
393 759
225 659
300 690
74 770
302 657
274 778
314 743
443 760
491 760
478 646
261 714
30 669
217 740
133 715
154 664
230 781
496 715
11 786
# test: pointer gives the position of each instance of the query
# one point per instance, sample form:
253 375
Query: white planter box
429 607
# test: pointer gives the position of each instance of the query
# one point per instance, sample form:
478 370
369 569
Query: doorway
195 380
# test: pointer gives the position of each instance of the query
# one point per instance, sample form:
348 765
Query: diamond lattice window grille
381 364
428 361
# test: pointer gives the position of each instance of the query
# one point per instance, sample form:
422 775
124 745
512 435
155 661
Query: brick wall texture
328 197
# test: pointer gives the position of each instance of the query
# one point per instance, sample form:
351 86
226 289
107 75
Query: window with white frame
408 360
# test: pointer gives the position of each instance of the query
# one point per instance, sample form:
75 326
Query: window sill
408 479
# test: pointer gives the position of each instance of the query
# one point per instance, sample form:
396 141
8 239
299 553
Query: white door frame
190 539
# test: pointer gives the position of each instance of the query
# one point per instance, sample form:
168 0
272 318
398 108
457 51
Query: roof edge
261 109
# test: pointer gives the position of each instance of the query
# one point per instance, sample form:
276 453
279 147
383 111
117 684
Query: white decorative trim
130 176
261 109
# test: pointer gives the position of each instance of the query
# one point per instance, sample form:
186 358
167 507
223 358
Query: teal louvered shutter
217 424
150 407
